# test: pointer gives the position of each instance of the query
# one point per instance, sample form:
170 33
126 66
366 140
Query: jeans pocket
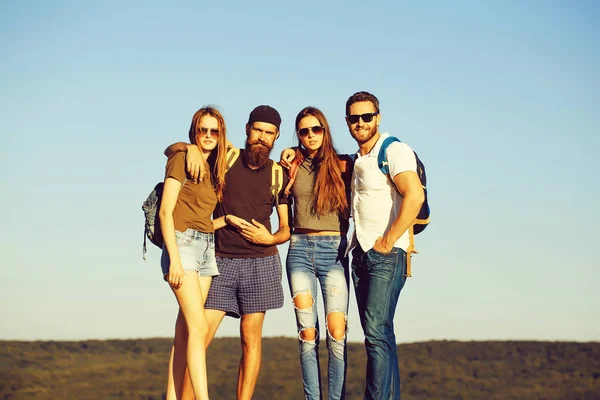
393 251
382 262
182 239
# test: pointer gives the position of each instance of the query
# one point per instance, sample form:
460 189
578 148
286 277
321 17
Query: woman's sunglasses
368 117
212 132
317 130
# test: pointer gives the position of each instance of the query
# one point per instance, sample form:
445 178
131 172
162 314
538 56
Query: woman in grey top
317 247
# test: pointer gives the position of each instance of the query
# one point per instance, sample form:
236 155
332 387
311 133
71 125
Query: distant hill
136 369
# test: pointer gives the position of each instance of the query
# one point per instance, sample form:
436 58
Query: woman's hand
236 222
175 276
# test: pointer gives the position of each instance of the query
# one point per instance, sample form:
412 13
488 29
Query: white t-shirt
375 199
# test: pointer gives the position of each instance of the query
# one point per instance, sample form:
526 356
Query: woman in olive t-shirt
188 258
316 255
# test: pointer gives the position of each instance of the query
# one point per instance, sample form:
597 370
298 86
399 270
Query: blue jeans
311 259
378 279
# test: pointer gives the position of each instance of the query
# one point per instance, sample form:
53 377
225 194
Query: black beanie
265 114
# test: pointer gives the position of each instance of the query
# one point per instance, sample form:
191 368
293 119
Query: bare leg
190 299
186 392
251 338
178 359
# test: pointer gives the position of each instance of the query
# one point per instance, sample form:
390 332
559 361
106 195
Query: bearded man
249 283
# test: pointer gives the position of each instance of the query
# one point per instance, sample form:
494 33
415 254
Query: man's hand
195 162
256 233
382 246
287 156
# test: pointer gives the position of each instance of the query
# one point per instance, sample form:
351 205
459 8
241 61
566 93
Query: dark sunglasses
368 117
212 132
317 130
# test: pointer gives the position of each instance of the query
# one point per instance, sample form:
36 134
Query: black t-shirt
247 195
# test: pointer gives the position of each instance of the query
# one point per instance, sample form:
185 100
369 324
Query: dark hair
328 192
218 157
362 96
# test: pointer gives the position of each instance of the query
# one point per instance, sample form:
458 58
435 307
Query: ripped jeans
311 259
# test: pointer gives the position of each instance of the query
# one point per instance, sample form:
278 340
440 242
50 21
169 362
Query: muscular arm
409 186
283 233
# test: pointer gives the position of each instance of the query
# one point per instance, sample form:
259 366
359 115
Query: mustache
259 143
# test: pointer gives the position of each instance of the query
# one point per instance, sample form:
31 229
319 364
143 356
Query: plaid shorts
246 286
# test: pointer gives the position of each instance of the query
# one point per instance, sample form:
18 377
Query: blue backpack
422 220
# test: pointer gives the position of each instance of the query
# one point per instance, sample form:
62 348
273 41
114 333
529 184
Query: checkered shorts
246 286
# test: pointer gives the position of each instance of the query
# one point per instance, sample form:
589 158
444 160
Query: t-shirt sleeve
176 167
401 158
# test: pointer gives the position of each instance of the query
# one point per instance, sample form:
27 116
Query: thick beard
256 154
360 141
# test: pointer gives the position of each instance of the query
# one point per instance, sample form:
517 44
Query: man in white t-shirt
383 208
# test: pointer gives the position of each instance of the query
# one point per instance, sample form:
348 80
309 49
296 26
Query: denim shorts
196 251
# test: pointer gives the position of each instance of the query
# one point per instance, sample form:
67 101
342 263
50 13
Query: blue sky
501 102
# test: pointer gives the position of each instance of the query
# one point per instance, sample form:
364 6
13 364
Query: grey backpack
151 206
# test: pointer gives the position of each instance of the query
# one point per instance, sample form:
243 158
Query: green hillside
136 369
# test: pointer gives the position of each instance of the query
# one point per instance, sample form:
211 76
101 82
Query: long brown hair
217 160
328 192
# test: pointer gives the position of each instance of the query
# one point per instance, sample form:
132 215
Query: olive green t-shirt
196 201
302 196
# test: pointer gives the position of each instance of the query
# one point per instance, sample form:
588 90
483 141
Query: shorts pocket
182 239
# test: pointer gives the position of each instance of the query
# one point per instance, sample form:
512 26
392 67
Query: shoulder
176 159
346 162
399 149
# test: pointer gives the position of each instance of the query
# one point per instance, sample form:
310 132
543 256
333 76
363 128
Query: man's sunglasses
317 130
212 132
368 117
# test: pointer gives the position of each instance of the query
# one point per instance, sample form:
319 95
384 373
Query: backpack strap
382 161
232 155
276 180
411 249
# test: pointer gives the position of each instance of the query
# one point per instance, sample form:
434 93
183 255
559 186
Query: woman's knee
308 334
197 329
336 324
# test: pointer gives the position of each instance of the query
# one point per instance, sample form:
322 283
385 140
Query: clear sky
501 102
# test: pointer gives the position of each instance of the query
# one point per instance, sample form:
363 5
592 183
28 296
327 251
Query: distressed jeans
378 279
321 259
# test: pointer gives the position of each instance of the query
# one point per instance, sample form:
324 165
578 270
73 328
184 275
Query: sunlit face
207 133
311 140
363 131
262 132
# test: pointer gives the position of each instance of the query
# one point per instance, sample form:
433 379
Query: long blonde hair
217 160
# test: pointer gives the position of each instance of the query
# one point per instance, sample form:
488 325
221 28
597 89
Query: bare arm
167 226
176 148
409 186
287 156
193 159
229 219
